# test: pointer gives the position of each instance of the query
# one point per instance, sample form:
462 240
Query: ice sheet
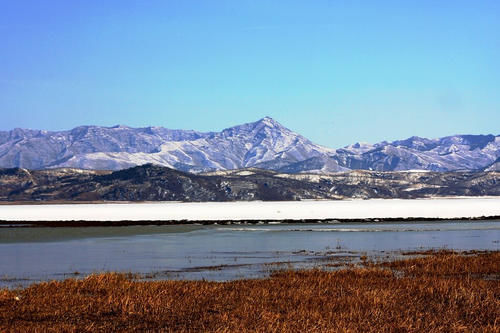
257 210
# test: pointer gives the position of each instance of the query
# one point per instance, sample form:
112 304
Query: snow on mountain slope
35 149
262 144
236 147
460 152
93 147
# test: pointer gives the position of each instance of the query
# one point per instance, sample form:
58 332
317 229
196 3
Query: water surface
221 252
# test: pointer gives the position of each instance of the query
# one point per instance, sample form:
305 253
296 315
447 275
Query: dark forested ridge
155 183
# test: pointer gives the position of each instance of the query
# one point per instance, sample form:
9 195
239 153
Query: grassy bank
443 291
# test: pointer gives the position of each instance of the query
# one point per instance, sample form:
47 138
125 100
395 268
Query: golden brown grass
444 291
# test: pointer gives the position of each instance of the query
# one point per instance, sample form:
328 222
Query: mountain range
264 144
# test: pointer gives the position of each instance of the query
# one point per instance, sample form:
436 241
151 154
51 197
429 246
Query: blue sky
335 71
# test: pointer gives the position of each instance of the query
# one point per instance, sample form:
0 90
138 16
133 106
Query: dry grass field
442 291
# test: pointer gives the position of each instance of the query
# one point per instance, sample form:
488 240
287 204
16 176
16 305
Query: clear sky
335 71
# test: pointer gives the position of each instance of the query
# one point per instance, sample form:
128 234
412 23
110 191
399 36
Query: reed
443 291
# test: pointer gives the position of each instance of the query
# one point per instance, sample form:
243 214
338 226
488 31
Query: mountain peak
264 124
268 121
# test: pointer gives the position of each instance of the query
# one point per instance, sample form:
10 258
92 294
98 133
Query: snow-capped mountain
451 153
264 144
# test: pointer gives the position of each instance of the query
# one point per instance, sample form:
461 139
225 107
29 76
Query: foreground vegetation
443 291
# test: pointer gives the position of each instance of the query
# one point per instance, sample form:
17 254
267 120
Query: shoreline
124 223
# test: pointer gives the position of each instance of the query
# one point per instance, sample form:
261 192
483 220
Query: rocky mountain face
264 144
149 182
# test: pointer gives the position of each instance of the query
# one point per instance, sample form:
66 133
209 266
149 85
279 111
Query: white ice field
257 210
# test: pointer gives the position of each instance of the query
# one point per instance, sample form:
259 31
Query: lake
222 252
444 208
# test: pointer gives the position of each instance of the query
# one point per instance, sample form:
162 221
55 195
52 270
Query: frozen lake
221 252
257 210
